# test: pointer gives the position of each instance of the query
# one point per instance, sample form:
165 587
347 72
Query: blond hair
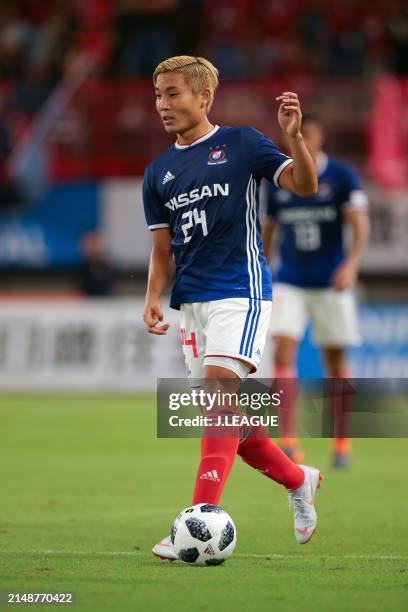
198 72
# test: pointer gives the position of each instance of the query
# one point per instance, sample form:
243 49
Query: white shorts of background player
332 313
229 333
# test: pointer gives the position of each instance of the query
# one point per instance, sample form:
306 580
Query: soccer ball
203 534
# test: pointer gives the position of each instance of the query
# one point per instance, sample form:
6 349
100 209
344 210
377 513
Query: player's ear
205 98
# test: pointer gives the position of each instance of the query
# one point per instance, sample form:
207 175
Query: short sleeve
157 216
354 197
266 159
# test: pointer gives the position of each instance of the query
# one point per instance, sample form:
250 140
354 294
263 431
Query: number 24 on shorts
189 341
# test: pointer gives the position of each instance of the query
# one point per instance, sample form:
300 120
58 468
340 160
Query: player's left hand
289 113
344 276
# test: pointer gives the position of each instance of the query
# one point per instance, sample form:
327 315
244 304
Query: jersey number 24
194 218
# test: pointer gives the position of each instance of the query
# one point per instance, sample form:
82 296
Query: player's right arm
161 269
161 266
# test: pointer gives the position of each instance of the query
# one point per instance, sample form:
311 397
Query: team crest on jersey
217 156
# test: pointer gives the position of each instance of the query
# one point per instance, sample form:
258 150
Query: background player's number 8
307 236
194 218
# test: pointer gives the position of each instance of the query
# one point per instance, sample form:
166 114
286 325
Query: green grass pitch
87 489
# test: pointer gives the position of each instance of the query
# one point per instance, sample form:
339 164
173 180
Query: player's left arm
346 273
300 177
268 228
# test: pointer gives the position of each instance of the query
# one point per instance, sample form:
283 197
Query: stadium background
77 128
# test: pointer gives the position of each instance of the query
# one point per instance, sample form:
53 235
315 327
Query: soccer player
315 277
200 201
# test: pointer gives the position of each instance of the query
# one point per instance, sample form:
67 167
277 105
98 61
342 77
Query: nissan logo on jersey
206 191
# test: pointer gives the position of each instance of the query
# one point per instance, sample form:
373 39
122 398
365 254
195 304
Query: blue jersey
206 193
311 229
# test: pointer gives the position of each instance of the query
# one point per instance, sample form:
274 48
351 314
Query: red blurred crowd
244 38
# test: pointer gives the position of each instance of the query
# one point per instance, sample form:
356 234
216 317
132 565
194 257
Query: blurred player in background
200 200
315 277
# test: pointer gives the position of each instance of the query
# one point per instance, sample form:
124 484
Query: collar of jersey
321 163
196 142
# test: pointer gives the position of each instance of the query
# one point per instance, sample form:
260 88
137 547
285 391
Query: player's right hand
153 314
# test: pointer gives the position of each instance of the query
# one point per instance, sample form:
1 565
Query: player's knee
335 362
227 369
284 352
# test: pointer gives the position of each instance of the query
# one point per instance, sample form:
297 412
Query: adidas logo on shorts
212 475
168 177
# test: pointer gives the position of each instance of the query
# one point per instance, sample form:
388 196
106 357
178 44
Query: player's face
179 107
313 136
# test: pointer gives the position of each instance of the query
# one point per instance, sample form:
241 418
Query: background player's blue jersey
311 228
207 194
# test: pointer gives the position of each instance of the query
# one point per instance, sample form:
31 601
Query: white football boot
302 502
165 550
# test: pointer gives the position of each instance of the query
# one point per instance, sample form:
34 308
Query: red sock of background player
217 458
286 381
341 405
264 455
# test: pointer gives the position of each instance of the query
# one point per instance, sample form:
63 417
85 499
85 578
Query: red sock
264 455
217 458
286 381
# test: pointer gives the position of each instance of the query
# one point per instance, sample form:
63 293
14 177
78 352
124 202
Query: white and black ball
203 534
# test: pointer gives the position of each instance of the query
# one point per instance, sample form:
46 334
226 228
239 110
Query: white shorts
333 315
232 329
